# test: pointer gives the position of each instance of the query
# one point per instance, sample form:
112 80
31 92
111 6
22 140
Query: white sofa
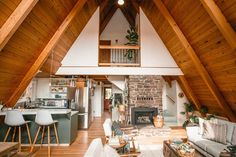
208 147
96 149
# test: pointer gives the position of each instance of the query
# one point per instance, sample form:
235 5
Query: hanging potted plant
132 38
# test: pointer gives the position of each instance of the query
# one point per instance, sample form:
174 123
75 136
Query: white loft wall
82 58
153 51
116 29
84 51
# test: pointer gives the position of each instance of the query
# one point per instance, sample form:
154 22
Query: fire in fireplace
143 115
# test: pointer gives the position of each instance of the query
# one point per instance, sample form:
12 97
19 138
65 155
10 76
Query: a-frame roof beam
220 21
107 18
196 61
189 91
127 15
135 5
45 53
103 5
15 20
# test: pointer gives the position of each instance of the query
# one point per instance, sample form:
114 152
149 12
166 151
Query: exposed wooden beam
135 5
15 20
129 18
168 80
196 61
189 92
44 54
103 5
220 21
107 18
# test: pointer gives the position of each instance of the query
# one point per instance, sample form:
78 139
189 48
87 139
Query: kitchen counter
67 125
34 111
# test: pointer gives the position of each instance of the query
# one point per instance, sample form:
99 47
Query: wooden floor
79 147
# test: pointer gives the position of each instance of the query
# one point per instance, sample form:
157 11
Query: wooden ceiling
200 35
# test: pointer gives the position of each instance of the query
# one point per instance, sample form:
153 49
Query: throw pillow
116 128
230 128
201 121
110 152
234 137
215 132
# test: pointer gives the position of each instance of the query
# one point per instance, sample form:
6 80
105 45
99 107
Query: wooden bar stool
44 119
13 120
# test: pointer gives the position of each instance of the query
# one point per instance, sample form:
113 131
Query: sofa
96 149
211 147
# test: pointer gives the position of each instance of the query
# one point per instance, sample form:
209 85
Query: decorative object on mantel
133 41
158 121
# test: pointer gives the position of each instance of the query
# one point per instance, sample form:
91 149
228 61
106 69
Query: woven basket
158 122
183 153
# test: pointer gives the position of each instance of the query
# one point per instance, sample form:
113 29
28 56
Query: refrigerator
84 106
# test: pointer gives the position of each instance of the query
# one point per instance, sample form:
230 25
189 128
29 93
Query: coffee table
169 151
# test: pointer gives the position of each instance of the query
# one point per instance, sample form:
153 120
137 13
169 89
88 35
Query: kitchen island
67 126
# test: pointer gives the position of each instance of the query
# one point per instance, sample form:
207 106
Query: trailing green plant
191 118
204 109
132 38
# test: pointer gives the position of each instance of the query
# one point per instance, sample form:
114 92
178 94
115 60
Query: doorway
107 98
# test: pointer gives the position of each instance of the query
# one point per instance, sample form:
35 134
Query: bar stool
15 119
44 119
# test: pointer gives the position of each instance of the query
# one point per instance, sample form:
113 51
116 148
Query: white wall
168 104
174 109
118 71
116 29
98 100
180 106
84 51
153 51
42 90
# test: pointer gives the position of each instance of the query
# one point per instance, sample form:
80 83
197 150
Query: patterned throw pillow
214 132
116 128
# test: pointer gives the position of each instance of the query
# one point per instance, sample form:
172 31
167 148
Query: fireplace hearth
143 115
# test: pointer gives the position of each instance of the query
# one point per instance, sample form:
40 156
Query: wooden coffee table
169 151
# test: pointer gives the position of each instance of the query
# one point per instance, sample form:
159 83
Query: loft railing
116 55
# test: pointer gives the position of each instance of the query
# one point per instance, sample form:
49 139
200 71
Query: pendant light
121 2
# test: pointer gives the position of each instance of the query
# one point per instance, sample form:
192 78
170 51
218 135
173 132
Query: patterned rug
151 131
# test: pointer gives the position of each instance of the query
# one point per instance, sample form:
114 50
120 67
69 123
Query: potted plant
132 38
191 118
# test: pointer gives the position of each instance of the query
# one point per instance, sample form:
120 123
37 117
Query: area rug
151 131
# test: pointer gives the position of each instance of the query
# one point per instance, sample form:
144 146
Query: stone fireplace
143 115
145 91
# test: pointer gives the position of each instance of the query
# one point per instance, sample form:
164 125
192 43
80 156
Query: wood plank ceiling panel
228 8
176 49
214 51
70 35
28 41
7 7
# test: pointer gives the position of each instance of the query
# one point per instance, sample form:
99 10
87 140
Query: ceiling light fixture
121 2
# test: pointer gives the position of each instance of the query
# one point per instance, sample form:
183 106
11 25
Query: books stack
114 141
